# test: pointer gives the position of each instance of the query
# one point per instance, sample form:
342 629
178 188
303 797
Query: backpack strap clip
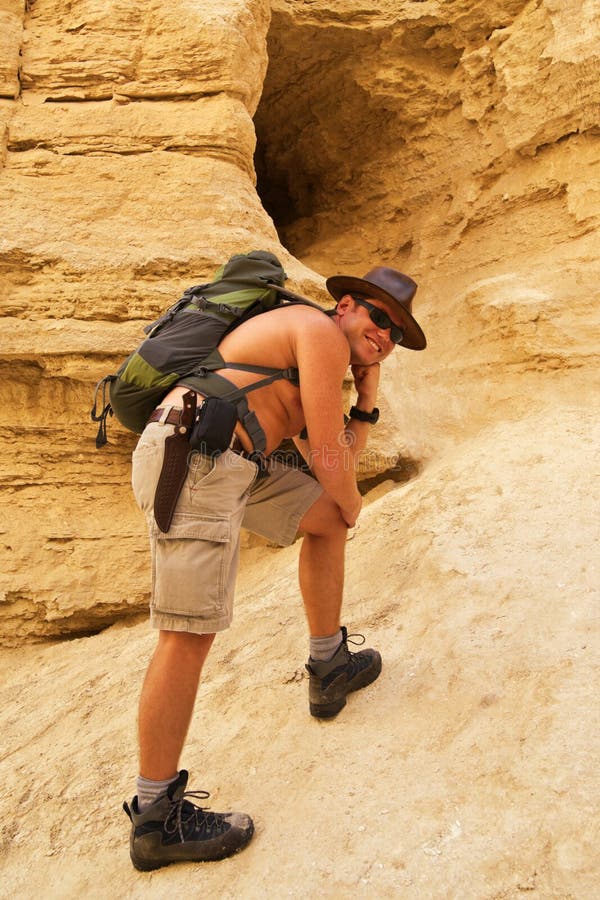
107 410
292 375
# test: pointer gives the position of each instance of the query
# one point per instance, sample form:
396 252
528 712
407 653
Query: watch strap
361 416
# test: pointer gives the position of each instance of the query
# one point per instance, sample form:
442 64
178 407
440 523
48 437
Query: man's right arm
322 355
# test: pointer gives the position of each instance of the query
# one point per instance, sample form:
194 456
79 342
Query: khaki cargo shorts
194 565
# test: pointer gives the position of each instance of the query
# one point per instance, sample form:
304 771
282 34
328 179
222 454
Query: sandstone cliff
127 176
460 142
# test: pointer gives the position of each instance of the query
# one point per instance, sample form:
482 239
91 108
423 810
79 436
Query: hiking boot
175 830
345 672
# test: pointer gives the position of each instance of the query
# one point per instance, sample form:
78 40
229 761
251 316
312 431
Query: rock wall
465 149
127 174
458 141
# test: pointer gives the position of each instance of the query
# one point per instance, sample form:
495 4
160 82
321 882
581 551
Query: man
195 562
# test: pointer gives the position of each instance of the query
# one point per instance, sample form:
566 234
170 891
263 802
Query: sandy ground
468 770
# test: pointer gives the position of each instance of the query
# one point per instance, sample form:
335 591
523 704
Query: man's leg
193 574
167 700
170 828
334 670
276 504
321 566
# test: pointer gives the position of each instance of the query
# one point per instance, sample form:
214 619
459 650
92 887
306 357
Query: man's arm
366 382
322 355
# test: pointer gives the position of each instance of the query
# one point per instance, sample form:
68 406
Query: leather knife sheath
175 465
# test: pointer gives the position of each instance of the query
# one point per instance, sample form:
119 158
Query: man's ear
344 304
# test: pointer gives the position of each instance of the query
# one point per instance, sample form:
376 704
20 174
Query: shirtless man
195 563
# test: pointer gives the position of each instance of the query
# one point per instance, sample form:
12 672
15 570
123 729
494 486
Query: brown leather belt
172 416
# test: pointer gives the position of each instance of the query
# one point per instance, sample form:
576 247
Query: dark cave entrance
308 158
286 196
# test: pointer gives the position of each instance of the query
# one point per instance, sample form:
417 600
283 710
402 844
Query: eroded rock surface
127 176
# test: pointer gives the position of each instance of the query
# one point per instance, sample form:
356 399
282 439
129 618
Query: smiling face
369 343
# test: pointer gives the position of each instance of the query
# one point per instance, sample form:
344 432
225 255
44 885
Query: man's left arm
366 382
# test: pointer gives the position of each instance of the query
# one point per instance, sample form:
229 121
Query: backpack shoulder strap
215 361
291 298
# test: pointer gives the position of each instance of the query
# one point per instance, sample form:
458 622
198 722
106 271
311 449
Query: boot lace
357 661
350 637
185 818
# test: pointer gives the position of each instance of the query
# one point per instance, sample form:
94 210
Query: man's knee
185 642
324 519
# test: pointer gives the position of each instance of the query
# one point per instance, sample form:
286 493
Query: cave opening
344 159
308 154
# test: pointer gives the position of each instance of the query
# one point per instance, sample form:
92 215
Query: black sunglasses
380 318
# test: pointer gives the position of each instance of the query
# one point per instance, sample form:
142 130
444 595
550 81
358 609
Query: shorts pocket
201 528
201 470
146 463
191 566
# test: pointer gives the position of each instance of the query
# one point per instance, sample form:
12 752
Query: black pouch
214 427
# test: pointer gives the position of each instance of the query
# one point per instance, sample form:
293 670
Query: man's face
369 343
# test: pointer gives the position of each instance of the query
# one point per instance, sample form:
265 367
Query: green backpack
183 342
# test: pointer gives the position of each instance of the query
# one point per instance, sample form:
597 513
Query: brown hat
390 286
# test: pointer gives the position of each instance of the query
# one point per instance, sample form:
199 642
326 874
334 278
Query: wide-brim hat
391 287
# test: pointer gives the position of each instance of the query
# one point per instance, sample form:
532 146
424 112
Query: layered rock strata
465 151
127 174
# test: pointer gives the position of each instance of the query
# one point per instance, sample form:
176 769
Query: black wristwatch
362 416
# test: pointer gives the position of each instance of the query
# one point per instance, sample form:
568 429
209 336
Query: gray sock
324 648
149 791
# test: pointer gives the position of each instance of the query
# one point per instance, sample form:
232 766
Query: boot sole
327 710
150 865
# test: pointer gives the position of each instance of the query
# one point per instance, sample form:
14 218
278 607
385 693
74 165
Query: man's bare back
291 336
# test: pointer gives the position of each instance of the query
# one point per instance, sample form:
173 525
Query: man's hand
351 513
366 382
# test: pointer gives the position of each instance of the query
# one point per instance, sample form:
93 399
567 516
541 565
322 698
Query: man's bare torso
269 339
